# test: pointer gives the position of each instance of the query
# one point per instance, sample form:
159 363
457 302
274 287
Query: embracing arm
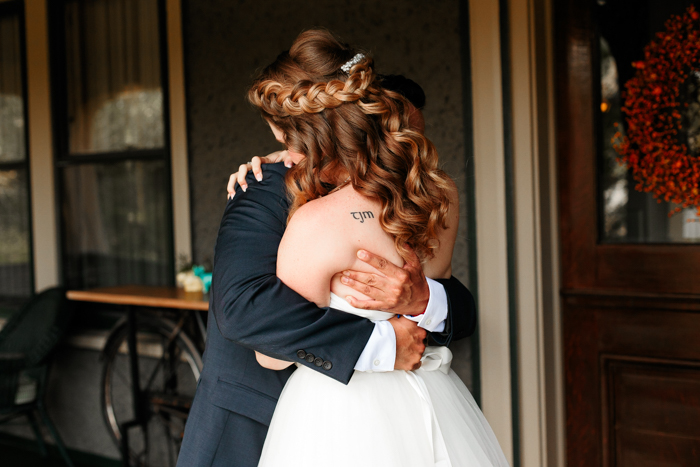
460 321
255 309
461 315
305 248
450 313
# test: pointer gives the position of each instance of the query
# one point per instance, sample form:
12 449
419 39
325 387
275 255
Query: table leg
135 384
200 324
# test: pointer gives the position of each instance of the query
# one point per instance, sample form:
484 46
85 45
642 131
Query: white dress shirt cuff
433 319
380 352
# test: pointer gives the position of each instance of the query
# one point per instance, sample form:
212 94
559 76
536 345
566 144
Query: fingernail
344 280
244 188
288 164
362 254
346 273
348 298
258 177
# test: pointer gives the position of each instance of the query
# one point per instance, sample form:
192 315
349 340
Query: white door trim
539 350
490 218
40 150
182 228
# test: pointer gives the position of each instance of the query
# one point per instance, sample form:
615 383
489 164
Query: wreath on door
662 107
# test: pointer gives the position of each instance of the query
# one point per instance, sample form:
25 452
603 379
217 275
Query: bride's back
322 240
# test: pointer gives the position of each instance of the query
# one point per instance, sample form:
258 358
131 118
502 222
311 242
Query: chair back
36 329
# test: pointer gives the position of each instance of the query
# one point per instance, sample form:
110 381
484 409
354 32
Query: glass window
114 170
117 230
115 98
12 134
628 215
15 249
15 257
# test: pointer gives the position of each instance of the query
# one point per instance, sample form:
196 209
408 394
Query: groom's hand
403 291
410 343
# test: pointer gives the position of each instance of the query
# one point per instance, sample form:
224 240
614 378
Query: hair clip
350 63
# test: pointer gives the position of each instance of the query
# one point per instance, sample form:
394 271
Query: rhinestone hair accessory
350 63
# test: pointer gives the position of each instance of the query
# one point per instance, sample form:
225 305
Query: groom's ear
416 120
279 134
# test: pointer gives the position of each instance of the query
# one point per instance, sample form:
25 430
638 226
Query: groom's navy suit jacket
251 308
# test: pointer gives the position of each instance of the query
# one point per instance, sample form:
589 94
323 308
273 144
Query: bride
368 181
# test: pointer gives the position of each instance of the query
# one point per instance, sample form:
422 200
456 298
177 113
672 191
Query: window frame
62 157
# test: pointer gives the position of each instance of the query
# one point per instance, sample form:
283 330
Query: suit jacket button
310 357
327 365
318 361
301 354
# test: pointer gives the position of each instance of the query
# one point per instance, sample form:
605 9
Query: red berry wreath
662 106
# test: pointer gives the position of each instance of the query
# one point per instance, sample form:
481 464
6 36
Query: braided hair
350 121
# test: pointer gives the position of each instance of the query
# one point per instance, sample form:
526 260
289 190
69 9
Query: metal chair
26 344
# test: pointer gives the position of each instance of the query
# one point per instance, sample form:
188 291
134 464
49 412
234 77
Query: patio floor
20 452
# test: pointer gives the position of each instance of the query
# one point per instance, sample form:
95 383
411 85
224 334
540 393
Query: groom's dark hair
406 87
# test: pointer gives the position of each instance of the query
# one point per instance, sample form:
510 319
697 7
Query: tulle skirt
395 419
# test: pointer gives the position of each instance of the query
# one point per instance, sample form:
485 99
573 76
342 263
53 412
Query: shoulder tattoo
362 215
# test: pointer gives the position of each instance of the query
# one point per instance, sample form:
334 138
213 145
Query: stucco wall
226 41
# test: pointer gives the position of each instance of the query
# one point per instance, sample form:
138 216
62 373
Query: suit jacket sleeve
461 314
253 308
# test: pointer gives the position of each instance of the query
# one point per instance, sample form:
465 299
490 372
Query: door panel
653 412
632 378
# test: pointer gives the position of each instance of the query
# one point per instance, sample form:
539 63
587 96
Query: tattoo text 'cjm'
361 216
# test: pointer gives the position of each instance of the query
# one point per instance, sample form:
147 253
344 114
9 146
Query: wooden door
631 283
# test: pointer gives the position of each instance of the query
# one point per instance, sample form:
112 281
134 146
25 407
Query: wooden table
143 295
132 296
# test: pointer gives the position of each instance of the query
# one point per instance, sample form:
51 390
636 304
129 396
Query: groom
251 309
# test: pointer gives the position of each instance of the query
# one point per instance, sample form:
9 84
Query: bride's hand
256 166
403 291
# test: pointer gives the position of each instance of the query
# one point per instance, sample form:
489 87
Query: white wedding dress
395 419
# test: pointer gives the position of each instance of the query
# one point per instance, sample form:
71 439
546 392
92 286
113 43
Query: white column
540 391
41 167
178 133
490 198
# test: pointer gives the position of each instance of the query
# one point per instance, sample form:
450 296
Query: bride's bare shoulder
316 242
332 210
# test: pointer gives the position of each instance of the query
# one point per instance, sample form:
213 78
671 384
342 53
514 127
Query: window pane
115 99
117 226
630 216
12 143
15 265
15 258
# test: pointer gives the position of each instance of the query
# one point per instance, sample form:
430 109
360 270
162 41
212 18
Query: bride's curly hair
349 121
